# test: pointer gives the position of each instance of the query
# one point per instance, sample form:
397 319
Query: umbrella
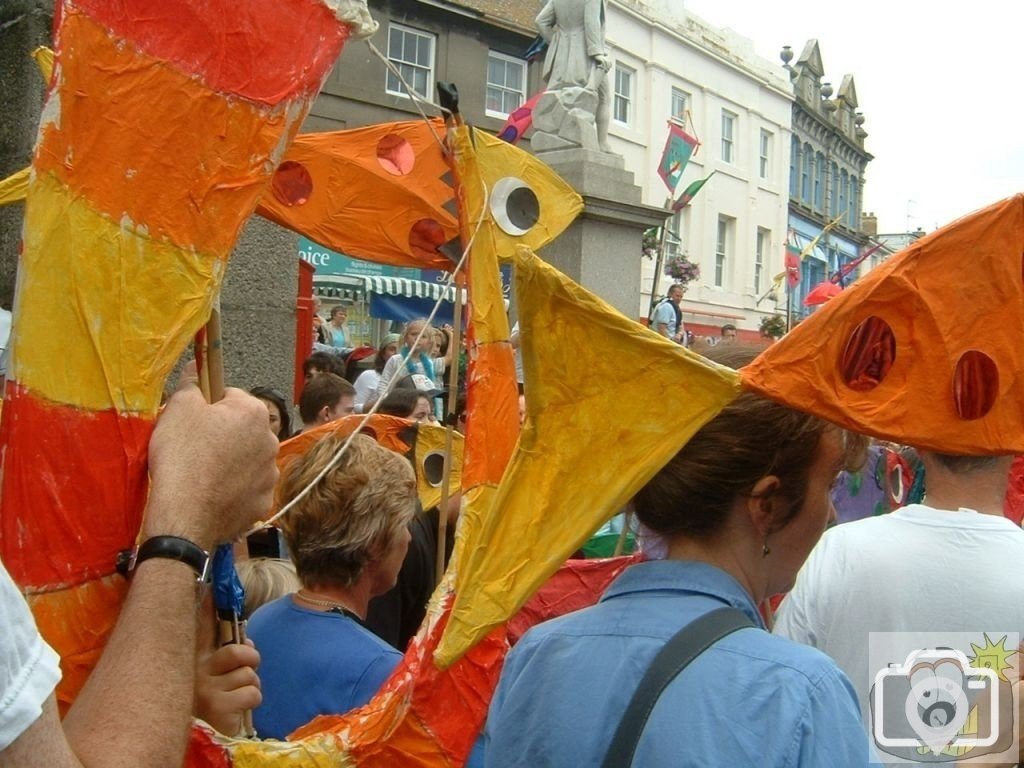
821 293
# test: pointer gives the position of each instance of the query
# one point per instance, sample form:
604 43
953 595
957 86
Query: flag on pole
519 120
792 265
690 192
537 49
844 271
679 147
808 250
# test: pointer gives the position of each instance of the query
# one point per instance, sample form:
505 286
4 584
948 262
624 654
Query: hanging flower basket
682 270
773 326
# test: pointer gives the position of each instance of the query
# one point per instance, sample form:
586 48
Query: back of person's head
323 362
461 412
751 438
358 360
399 402
323 390
265 579
270 395
962 465
352 515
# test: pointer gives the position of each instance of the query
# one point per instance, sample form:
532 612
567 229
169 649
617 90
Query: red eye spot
425 237
975 385
869 354
395 155
292 184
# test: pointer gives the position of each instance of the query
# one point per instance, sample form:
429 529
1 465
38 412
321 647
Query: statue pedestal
601 249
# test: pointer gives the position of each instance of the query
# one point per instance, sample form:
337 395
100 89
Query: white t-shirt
29 668
916 570
366 385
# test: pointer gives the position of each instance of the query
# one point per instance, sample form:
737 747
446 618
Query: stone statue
575 110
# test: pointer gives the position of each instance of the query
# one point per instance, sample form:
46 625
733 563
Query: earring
765 550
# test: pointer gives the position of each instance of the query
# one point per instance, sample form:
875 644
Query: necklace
332 606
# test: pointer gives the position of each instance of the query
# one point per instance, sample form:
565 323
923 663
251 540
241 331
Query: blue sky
939 91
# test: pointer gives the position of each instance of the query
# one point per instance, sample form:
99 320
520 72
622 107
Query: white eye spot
433 468
515 206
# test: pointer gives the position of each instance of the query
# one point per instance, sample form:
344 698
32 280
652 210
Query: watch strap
173 548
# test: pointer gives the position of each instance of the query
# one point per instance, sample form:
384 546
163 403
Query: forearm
143 684
593 28
546 22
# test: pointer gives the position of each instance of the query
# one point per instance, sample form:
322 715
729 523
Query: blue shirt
313 663
665 312
338 336
750 700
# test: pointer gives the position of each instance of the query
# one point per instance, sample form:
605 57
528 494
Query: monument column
601 250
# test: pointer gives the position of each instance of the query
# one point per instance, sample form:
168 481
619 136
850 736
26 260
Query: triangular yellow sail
577 461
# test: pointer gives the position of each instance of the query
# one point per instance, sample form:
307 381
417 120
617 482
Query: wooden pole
448 96
210 359
453 390
659 260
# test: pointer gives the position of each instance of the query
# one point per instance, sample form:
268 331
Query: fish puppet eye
515 207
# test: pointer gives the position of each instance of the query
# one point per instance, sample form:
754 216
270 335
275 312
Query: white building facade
666 64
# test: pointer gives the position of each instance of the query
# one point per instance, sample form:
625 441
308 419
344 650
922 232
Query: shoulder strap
685 646
654 309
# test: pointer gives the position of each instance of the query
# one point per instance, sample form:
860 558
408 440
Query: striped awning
338 287
413 289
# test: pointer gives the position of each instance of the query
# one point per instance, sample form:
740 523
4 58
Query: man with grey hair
667 318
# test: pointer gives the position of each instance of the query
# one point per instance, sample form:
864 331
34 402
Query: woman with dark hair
409 404
739 507
277 409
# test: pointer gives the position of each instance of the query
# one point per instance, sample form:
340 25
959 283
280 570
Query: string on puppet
415 97
336 459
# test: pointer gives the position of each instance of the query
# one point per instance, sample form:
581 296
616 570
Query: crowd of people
739 516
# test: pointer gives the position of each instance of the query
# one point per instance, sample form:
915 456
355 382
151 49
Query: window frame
764 159
619 98
805 173
506 59
680 114
674 237
762 244
729 141
722 238
853 203
399 63
819 181
844 181
795 148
